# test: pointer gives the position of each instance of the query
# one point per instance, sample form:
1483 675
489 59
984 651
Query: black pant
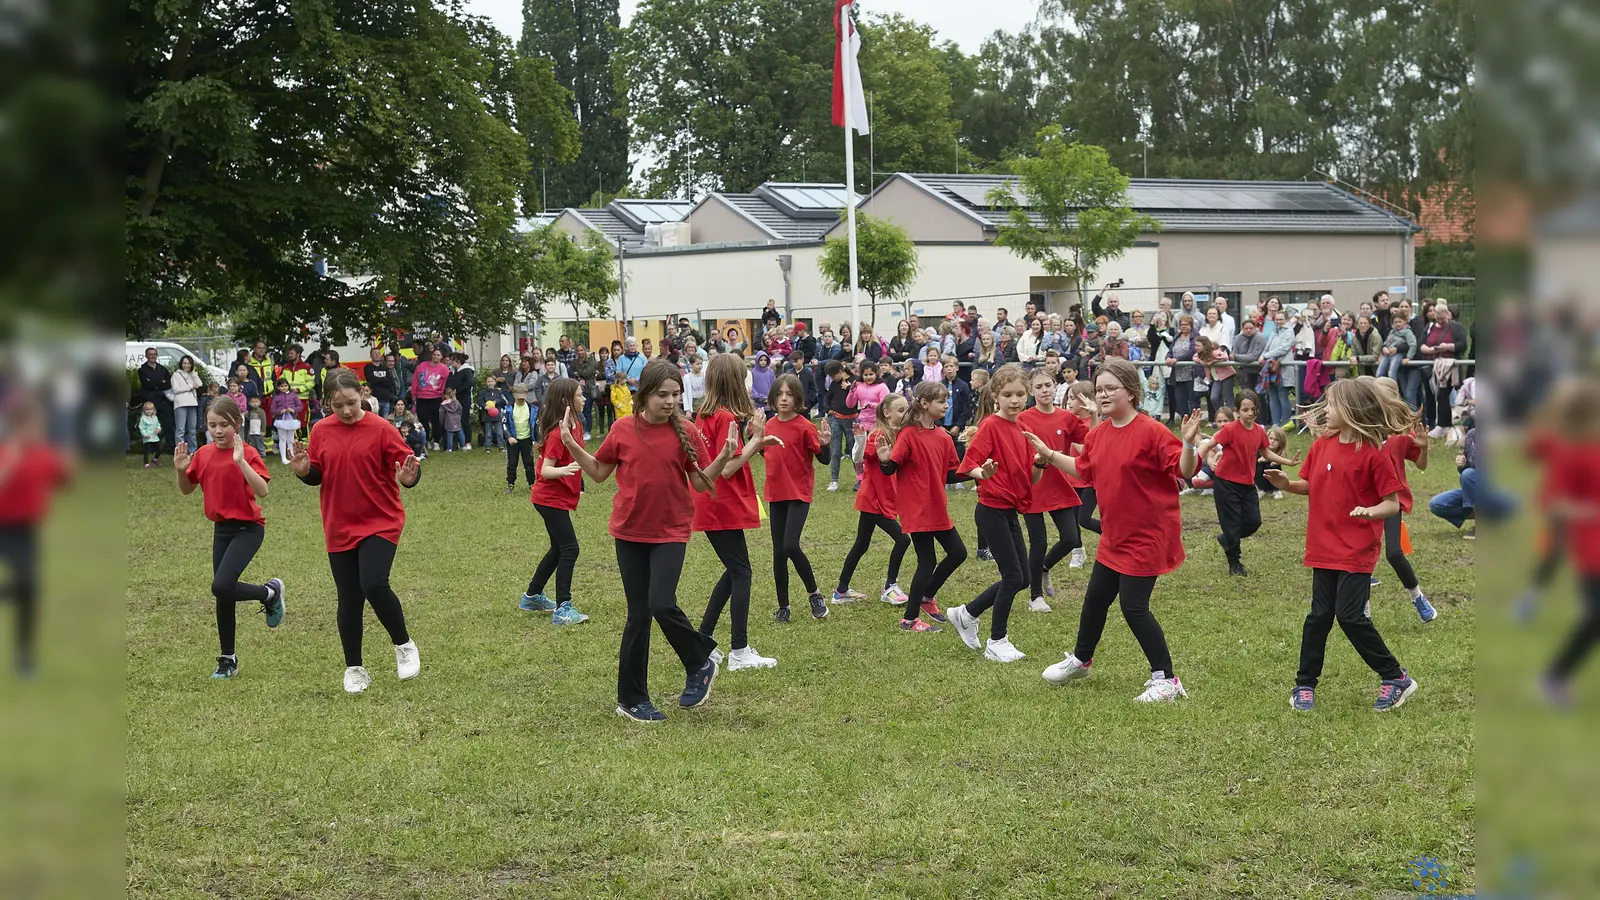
864 527
734 585
1397 558
928 579
650 581
1105 586
1262 467
1442 403
1341 595
233 546
152 452
1040 561
1430 404
361 576
428 414
1004 535
561 558
1238 512
1585 636
523 450
19 549
1085 512
788 521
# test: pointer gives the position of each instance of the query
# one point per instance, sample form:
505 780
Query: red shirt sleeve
1165 449
1383 475
980 450
610 448
901 451
253 460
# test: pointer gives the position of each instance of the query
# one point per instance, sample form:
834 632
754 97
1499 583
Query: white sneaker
587 437
1002 651
716 657
1037 604
1277 495
1069 669
966 626
407 662
356 680
1076 561
1162 690
1436 433
893 594
748 658
1188 492
469 446
1208 492
833 485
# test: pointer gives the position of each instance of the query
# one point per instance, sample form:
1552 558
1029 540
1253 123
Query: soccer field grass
869 763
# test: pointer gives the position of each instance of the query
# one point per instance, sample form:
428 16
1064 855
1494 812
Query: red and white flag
846 70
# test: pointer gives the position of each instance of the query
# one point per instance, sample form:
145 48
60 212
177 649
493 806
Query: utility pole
786 263
622 284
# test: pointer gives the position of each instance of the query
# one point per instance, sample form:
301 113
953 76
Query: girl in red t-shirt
1081 403
657 458
876 502
725 514
232 477
360 460
30 472
1242 442
1134 462
1352 485
555 495
1053 495
1000 460
789 484
922 460
1407 441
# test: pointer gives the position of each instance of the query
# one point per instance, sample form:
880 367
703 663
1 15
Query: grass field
870 763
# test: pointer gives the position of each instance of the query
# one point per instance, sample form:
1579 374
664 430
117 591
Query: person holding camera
1113 307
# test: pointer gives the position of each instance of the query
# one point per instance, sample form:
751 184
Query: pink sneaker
918 625
930 608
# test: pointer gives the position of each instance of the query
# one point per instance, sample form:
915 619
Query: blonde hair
1359 407
1399 417
887 434
724 387
1277 439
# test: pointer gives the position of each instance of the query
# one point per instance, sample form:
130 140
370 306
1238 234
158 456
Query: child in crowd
694 385
842 417
922 460
211 393
1242 443
450 420
150 434
789 483
492 403
411 433
237 395
1052 494
555 495
865 395
621 397
256 428
877 505
1154 394
367 400
1278 443
521 427
285 418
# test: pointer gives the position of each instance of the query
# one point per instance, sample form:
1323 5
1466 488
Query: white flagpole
850 174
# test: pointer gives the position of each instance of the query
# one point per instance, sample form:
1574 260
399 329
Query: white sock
232 656
1416 592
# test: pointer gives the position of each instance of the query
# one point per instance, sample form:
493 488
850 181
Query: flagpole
850 185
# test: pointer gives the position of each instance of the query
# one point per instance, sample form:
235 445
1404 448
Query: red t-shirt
1342 477
228 497
1240 450
1134 470
1059 430
1402 447
25 495
560 493
733 506
359 495
925 456
790 472
1077 482
877 494
1575 477
1011 486
652 504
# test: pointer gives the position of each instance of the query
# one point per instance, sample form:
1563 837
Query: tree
580 38
1068 209
886 263
912 126
565 271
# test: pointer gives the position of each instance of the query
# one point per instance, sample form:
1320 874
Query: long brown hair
1398 416
724 387
925 393
1127 376
887 433
558 398
226 408
656 373
1359 407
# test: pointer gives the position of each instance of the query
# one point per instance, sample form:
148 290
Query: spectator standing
631 364
1112 310
186 387
428 383
155 384
770 317
384 380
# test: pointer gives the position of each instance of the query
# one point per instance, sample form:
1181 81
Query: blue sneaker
227 667
536 603
1425 609
566 614
645 713
698 687
274 607
1302 699
1375 582
1394 692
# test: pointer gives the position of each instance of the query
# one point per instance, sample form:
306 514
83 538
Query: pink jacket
867 397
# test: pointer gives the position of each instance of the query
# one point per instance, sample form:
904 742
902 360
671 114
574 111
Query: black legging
1262 484
428 414
1238 514
1105 585
1584 636
734 585
1004 535
19 548
1084 512
929 578
1442 403
1041 561
233 546
562 556
788 521
1397 557
650 575
523 450
864 527
361 576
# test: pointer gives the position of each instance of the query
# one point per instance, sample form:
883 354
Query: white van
168 354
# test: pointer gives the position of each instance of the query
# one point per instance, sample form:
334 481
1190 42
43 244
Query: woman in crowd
903 345
186 388
1180 388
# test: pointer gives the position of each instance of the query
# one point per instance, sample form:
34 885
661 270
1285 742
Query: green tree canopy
580 38
886 263
567 272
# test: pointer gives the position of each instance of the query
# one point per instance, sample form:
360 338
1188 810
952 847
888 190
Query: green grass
870 763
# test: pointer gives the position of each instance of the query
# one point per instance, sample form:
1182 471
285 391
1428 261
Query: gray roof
607 223
781 225
1200 205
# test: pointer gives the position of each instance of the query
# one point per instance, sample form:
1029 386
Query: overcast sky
967 22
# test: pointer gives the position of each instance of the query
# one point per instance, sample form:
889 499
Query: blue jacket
633 367
960 403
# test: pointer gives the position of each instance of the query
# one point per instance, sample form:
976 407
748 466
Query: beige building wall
569 223
1348 264
715 222
923 216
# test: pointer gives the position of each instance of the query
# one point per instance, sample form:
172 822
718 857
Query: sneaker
274 607
645 713
819 609
1375 581
1436 433
848 595
965 625
356 679
857 486
510 488
1188 492
986 555
746 658
1237 569
407 661
1208 492
1002 651
1049 589
1162 690
147 465
1302 699
1470 533
698 686
893 595
716 654
227 667
930 608
536 603
833 485
467 447
1069 669
1425 610
918 626
782 615
567 614
587 437
1037 604
1394 692
1077 558
1277 495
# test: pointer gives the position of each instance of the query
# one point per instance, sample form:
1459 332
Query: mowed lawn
869 763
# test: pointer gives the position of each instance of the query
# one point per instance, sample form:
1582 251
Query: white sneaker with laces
469 446
893 594
407 661
1076 561
1277 495
1162 690
1069 669
966 626
1002 651
356 680
833 485
1037 604
748 658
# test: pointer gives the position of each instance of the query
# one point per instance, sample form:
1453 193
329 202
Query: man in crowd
1248 346
1382 316
263 368
1230 326
685 331
804 342
770 317
382 380
1112 310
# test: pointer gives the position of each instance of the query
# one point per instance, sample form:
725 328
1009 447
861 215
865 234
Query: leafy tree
580 37
886 263
912 126
565 271
1068 209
